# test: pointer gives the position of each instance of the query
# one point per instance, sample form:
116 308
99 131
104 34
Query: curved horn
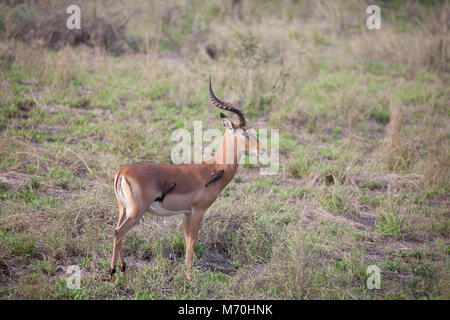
226 105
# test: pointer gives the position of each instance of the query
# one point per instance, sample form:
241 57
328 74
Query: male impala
187 189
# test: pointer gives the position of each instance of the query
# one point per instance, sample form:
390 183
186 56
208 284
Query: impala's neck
227 156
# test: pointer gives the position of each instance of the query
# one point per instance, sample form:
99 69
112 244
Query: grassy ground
364 149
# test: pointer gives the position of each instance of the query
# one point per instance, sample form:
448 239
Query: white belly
157 210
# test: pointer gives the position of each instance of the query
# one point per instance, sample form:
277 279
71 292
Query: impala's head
237 132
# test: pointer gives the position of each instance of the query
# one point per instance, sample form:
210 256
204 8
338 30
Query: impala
183 189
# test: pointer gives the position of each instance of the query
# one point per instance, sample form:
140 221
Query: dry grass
397 150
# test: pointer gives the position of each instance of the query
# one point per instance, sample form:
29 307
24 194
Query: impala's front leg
191 226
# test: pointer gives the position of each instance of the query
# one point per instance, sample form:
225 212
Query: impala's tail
121 188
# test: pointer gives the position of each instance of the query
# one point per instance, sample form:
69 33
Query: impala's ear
227 123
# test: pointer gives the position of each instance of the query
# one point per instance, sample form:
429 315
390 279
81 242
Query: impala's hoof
112 271
123 267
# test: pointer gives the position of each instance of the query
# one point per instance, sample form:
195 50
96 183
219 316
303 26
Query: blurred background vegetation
364 146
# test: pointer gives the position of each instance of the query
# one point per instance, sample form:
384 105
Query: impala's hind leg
122 216
117 250
131 219
123 265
